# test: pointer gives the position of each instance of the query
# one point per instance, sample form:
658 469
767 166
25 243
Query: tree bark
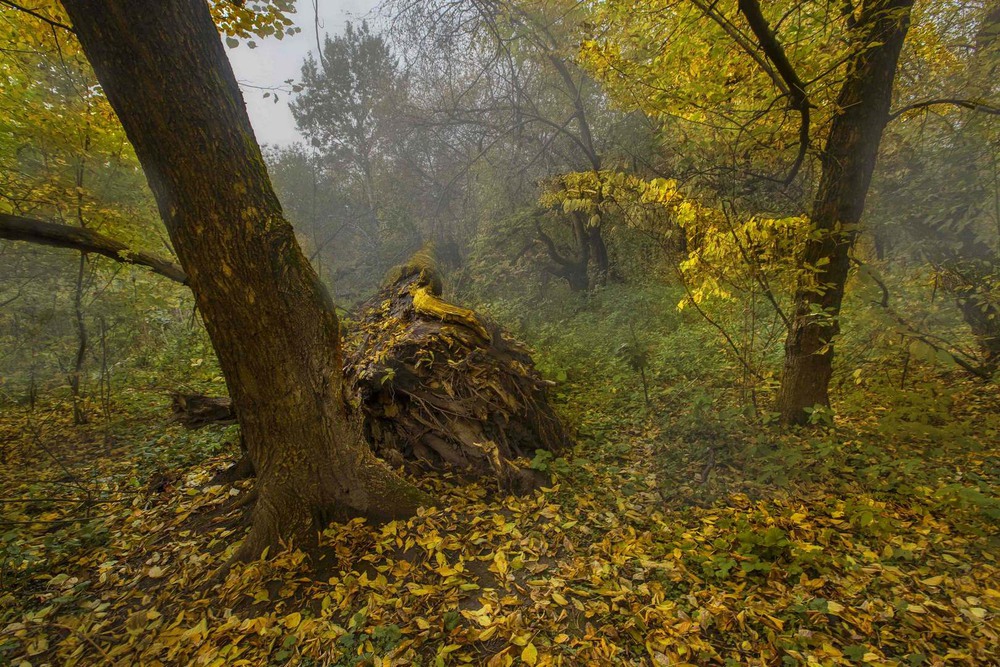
599 253
271 322
847 165
573 269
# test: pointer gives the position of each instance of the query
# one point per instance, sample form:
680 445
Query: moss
422 263
427 303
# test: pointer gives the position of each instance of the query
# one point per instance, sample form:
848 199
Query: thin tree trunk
983 318
79 413
272 324
578 276
847 165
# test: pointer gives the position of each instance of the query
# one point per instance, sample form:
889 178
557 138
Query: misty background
274 61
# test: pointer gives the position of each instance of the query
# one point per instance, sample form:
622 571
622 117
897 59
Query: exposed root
442 388
242 469
437 386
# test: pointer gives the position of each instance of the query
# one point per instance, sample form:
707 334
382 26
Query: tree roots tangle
440 387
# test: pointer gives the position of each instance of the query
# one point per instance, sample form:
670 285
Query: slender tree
848 161
271 321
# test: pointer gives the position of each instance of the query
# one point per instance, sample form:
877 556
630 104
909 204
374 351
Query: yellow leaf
559 599
530 654
500 562
501 659
933 581
292 620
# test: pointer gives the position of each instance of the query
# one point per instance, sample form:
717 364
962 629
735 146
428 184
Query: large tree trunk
272 324
847 165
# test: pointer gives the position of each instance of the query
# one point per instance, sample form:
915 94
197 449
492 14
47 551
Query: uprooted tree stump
441 387
437 386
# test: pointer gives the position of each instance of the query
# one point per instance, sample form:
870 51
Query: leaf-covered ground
659 542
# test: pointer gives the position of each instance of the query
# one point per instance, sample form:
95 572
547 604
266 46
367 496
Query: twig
965 104
40 17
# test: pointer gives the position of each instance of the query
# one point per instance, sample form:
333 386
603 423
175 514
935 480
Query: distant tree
352 92
512 81
63 157
314 202
938 200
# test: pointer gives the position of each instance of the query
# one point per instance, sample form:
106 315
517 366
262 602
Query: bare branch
796 89
40 17
17 228
972 105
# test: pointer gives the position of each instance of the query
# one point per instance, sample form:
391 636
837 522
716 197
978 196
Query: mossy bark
273 327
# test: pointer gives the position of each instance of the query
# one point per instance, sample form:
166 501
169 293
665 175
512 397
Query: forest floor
660 542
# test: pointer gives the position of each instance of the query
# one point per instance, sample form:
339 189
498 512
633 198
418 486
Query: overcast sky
274 61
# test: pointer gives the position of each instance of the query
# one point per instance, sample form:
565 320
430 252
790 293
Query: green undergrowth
683 529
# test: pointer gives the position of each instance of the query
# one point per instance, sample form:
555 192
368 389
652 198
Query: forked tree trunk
163 67
847 165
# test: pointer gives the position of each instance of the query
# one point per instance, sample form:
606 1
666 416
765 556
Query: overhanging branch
18 228
40 17
972 105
